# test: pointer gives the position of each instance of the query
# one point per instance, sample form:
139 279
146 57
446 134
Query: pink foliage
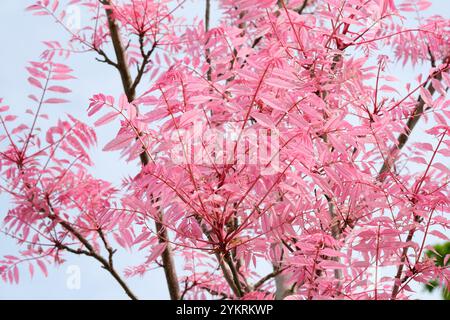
336 210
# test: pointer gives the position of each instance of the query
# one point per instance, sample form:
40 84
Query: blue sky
22 35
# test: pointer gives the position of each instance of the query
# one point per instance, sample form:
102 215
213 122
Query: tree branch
267 277
207 14
235 274
106 59
110 250
168 263
90 251
122 65
145 61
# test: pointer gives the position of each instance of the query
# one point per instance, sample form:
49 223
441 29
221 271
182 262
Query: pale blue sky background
21 35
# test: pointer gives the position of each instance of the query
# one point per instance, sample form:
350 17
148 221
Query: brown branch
89 252
410 125
417 220
108 248
107 265
145 61
237 281
227 268
267 277
122 65
168 262
302 7
207 14
106 59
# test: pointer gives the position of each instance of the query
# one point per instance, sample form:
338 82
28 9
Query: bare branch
122 65
267 277
106 59
145 61
207 14
302 7
129 87
90 252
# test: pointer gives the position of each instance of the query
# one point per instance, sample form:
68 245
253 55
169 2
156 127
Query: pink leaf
35 82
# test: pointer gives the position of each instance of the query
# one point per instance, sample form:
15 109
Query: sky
22 35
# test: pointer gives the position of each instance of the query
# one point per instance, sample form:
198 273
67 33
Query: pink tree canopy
278 137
